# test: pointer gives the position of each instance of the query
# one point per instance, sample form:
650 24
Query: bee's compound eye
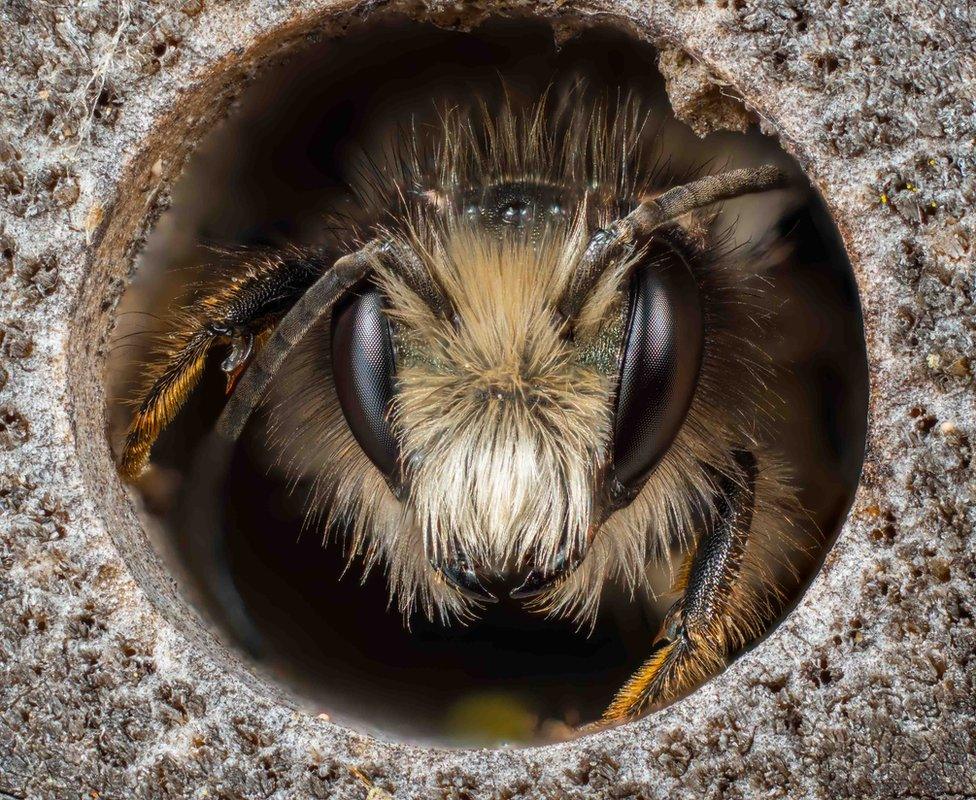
363 369
659 367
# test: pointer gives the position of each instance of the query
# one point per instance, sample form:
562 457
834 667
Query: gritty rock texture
698 98
111 688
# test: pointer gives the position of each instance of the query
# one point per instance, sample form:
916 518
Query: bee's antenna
650 215
414 273
210 467
311 307
307 311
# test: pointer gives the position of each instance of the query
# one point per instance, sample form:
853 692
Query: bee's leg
202 525
233 313
714 614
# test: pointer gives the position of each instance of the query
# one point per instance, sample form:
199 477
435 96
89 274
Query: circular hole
275 173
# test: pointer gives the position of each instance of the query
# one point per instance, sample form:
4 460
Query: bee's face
475 421
508 431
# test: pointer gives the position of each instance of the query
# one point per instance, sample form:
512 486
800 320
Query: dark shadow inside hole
268 176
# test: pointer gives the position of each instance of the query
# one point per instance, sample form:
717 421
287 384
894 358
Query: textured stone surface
110 688
697 97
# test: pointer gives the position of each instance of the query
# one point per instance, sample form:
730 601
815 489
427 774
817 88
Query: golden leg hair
234 313
717 611
203 526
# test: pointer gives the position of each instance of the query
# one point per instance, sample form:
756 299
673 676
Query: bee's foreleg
714 613
233 313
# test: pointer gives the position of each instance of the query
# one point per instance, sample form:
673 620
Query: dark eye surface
514 213
363 370
508 206
661 360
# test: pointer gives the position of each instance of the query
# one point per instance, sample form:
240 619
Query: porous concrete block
110 687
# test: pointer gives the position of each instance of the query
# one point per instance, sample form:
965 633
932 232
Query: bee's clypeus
535 373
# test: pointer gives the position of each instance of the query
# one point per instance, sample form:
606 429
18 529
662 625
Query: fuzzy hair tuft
504 426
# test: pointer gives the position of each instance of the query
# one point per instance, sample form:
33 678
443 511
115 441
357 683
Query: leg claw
679 661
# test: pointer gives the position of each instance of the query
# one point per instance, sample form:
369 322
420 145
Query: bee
529 364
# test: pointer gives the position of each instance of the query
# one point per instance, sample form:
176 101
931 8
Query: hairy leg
234 313
716 612
202 523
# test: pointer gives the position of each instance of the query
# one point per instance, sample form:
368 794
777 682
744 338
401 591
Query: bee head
542 372
510 430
